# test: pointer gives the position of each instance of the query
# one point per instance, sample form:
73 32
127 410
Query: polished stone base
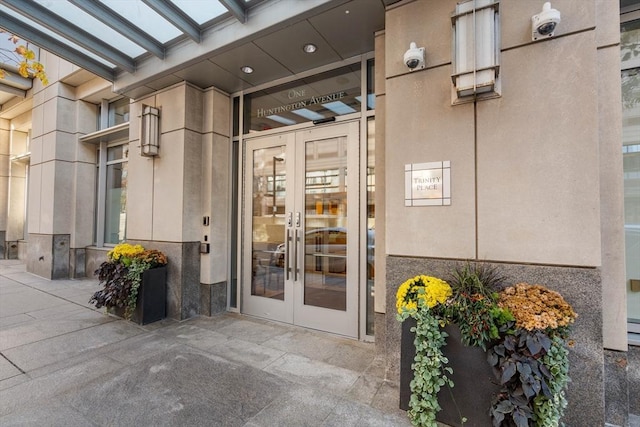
3 252
183 276
78 263
634 381
48 255
213 298
616 387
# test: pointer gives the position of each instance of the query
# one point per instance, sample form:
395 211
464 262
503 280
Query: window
630 59
371 222
115 206
112 161
118 112
317 98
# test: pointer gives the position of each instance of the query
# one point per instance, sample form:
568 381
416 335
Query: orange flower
536 307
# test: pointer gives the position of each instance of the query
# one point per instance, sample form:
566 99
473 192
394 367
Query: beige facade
536 173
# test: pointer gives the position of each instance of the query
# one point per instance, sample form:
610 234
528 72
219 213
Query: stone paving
64 363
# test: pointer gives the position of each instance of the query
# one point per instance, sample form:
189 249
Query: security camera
414 57
544 23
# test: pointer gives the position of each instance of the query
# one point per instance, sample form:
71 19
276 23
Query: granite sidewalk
64 363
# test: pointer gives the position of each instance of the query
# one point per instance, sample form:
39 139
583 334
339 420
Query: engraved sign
428 184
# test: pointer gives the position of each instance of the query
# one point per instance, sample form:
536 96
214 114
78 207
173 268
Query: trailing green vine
136 268
429 367
121 276
523 328
421 298
549 409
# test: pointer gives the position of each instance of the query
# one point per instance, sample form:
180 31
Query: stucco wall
216 181
167 187
524 167
533 172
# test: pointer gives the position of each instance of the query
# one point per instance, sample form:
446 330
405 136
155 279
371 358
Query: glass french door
300 244
630 61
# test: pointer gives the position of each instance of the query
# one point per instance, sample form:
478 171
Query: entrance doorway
301 240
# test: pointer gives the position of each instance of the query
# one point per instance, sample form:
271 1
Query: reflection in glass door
267 284
326 294
630 60
325 249
267 247
299 265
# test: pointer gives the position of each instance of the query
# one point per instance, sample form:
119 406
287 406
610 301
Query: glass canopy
107 36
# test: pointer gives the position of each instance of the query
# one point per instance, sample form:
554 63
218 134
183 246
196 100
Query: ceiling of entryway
145 45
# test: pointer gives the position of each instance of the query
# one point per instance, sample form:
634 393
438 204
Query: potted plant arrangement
133 283
520 330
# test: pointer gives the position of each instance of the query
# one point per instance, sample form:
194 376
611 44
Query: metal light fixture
246 69
476 50
309 48
150 131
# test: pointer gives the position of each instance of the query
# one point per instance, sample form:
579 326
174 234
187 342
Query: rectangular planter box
473 379
151 304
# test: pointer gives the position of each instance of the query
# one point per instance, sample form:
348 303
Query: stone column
164 205
17 187
4 182
61 187
216 178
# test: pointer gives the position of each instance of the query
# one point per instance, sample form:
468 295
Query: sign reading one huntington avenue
427 184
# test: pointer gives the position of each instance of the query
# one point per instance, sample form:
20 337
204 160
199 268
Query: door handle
287 254
295 256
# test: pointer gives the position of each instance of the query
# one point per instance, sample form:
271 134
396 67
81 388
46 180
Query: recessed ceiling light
247 70
309 48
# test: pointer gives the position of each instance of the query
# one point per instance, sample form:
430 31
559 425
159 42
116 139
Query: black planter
151 304
474 383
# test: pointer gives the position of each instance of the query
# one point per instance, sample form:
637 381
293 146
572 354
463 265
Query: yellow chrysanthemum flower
431 290
124 250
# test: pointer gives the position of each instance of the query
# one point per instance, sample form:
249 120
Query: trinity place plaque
427 184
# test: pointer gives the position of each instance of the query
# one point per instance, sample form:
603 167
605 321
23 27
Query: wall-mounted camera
414 57
544 23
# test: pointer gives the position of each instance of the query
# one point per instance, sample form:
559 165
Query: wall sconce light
544 23
150 131
476 50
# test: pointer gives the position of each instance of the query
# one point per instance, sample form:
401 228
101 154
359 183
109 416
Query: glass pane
630 58
119 112
323 96
116 203
371 221
147 19
325 259
118 152
201 11
371 85
631 167
93 26
268 248
55 36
